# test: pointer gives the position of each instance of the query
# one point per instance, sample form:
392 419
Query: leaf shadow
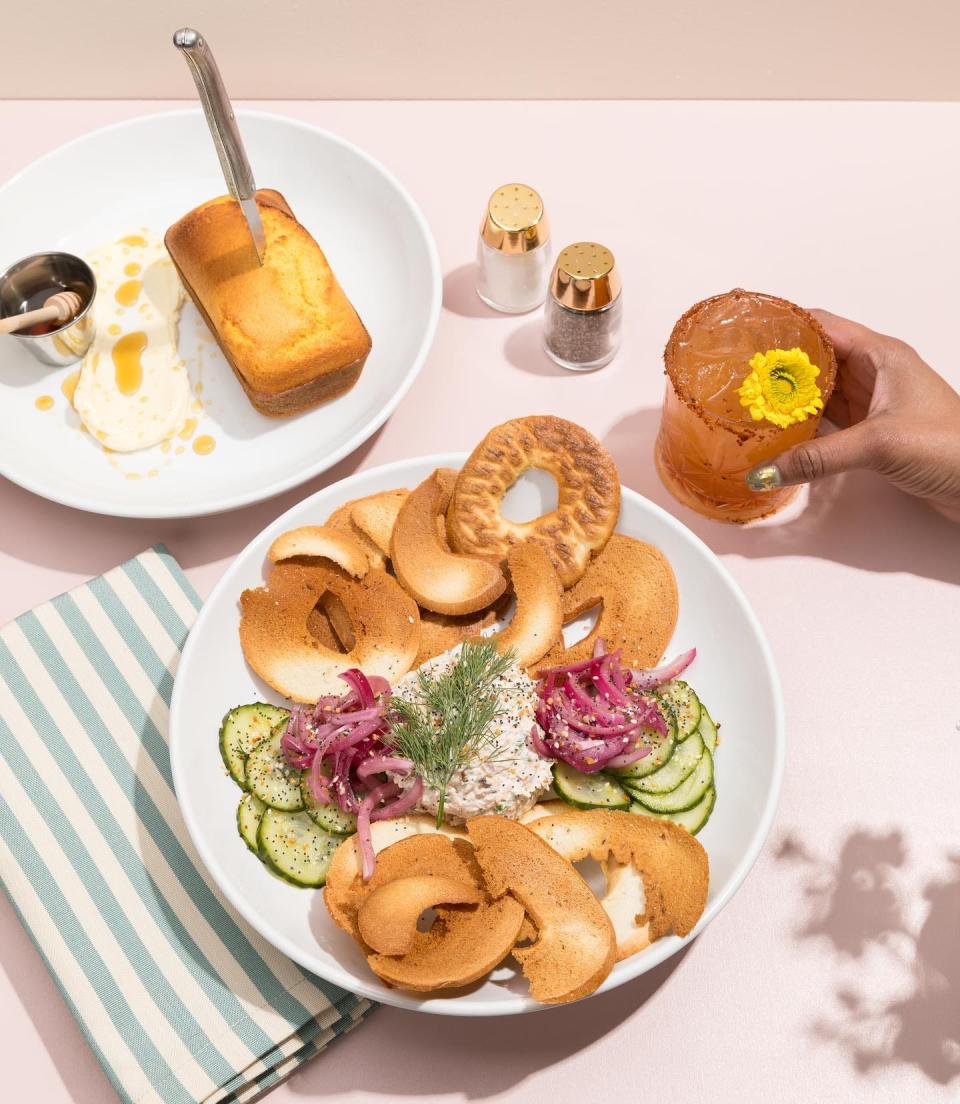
855 904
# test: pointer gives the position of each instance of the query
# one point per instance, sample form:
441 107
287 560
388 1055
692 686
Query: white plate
734 672
149 172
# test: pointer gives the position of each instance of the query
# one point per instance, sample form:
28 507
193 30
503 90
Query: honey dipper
59 308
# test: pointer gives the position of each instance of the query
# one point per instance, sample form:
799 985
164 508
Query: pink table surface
835 972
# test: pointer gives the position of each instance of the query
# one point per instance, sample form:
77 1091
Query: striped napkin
181 1001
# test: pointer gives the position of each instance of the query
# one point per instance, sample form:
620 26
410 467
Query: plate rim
664 948
364 433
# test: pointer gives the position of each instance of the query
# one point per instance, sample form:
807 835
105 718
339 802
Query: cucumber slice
249 814
708 729
691 819
241 730
687 794
680 766
331 818
270 778
296 848
588 791
662 748
685 705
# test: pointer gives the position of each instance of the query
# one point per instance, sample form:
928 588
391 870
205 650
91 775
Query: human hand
895 416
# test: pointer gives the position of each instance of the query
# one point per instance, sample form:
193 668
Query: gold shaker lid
515 221
585 277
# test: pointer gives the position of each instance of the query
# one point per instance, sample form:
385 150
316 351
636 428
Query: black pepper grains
584 309
582 340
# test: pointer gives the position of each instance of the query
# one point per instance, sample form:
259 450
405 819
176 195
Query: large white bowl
733 672
148 172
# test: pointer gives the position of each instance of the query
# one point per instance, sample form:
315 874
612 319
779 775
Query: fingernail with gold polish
766 477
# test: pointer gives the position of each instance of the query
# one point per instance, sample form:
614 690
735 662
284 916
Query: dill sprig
447 723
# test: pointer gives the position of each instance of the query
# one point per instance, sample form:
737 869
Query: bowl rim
654 955
364 432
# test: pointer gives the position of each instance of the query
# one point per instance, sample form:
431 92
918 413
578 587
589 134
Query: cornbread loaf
286 327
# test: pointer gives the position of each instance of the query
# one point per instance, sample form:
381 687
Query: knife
223 129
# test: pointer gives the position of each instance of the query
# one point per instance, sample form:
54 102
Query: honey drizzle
126 362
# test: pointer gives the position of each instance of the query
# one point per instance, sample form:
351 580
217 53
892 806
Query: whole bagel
588 494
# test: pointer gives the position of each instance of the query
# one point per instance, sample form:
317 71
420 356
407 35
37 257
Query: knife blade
224 130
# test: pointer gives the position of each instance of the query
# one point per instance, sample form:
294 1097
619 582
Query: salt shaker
513 253
584 308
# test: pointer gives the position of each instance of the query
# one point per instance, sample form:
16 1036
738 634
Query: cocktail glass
708 441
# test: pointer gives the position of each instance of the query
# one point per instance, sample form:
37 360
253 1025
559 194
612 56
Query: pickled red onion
593 714
342 745
656 676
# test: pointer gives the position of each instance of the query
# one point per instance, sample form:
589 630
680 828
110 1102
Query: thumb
856 447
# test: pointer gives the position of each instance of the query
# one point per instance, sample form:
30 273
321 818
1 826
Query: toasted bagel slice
439 632
342 518
588 494
345 887
538 619
670 893
340 624
387 917
575 947
280 647
440 580
376 516
467 939
322 542
464 944
635 587
320 627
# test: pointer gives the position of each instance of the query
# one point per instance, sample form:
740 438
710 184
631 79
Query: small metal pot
26 284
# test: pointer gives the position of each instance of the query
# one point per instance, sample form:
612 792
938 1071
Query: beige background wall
439 49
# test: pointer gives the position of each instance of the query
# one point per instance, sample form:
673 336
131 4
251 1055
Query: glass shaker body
584 310
512 282
582 340
513 250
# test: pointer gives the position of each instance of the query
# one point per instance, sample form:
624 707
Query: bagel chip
439 632
345 887
538 619
376 516
387 917
311 542
575 947
341 518
674 871
320 626
440 580
279 646
635 587
339 620
465 942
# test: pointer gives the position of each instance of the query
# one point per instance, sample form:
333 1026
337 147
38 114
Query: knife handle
219 113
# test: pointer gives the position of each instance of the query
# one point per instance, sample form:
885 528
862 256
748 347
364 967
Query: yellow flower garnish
781 387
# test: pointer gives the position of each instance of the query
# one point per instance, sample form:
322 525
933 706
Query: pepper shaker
584 308
513 255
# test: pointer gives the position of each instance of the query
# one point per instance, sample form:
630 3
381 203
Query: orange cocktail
708 440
